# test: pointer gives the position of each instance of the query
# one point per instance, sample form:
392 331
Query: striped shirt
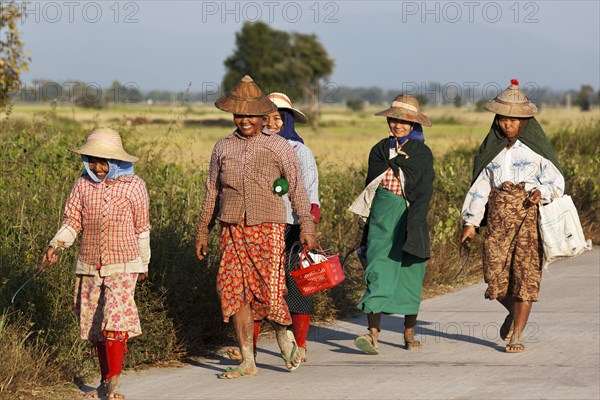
111 215
310 178
240 183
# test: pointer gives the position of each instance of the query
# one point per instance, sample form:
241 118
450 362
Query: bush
178 305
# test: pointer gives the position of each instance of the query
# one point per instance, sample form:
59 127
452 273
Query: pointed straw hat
246 98
406 107
282 101
105 143
512 103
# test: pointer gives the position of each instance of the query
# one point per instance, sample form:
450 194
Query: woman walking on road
400 182
515 169
252 218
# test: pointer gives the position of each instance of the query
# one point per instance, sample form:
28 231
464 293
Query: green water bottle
280 186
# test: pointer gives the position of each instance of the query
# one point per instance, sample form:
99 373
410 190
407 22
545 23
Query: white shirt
515 164
310 178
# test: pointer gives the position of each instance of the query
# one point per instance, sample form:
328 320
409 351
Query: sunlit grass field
344 137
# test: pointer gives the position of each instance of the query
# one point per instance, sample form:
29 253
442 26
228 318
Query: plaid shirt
111 215
391 183
240 183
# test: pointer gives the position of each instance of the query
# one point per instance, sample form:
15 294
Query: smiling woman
252 217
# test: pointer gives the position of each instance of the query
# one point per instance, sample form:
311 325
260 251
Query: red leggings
111 353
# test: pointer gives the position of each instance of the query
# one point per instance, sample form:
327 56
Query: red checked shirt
240 183
111 216
391 183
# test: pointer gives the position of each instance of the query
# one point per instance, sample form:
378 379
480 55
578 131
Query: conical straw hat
282 101
105 143
512 103
406 107
246 98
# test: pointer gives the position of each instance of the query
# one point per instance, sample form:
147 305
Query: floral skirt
252 271
512 250
106 304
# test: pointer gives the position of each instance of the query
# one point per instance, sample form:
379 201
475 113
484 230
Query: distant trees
584 97
13 60
293 63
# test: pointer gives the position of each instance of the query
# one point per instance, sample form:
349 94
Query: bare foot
100 391
289 349
303 353
234 354
114 383
410 343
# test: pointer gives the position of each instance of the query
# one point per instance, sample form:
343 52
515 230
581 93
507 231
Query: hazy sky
164 44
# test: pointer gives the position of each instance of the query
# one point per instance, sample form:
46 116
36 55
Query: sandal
233 370
366 344
290 360
515 347
412 344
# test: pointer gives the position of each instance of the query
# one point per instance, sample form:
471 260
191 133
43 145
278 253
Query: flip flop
290 359
412 345
233 369
517 347
366 344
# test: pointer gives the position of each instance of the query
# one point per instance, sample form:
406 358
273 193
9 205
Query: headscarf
531 134
116 168
288 131
416 133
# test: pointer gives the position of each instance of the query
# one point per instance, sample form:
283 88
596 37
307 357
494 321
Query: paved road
463 356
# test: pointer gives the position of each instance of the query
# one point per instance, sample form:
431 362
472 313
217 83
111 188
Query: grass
42 346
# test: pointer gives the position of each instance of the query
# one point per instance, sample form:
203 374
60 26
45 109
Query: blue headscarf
287 130
116 168
416 133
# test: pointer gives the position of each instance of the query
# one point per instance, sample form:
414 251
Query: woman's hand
50 257
201 248
142 277
468 232
534 197
308 240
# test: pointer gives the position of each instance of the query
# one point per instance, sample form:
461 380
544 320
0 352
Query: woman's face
248 125
99 166
510 126
273 121
400 127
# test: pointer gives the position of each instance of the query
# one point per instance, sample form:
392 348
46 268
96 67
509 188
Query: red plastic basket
320 276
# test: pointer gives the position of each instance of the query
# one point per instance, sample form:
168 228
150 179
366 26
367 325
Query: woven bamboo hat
105 143
512 103
406 107
282 101
246 98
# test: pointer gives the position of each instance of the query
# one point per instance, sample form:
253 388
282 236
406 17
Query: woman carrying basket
282 122
252 218
399 187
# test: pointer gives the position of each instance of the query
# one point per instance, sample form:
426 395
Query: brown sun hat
406 107
282 101
512 103
105 143
246 98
